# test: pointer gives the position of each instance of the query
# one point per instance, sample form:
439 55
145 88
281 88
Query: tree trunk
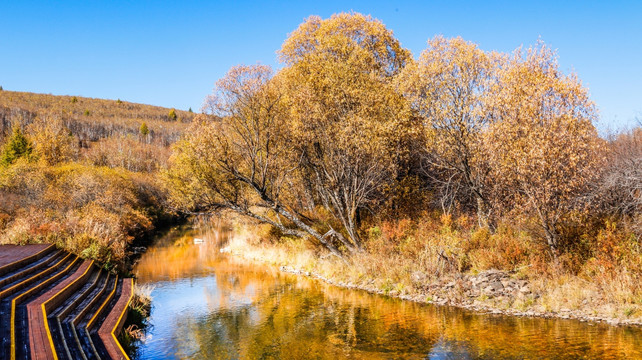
482 215
308 229
552 238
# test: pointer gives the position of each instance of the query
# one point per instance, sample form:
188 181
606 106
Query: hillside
80 172
92 120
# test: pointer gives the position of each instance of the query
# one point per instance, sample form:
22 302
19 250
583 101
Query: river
207 305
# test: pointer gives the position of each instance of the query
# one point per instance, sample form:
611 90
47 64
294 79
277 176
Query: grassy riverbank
528 287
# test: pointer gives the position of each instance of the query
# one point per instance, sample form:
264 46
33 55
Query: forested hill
81 172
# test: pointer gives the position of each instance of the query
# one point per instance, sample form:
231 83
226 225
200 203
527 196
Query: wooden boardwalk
54 305
12 256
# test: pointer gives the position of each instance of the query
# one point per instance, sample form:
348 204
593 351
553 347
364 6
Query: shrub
143 129
128 153
618 192
172 115
505 249
53 142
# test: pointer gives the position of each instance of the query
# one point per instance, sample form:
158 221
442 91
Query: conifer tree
144 130
18 146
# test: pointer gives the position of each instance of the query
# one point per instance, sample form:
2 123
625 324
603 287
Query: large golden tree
447 87
348 122
240 158
543 146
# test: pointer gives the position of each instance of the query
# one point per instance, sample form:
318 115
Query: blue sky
171 53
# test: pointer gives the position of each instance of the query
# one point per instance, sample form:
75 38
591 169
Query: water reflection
208 306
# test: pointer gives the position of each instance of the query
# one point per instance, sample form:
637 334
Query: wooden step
15 256
16 295
99 346
84 328
16 288
17 275
81 296
19 319
55 306
63 332
114 321
40 339
81 316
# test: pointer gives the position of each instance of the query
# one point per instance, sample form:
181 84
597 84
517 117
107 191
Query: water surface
209 306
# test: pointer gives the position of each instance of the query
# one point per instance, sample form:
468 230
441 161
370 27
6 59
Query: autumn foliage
460 160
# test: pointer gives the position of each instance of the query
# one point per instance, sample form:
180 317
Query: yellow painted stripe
13 331
44 309
44 272
111 294
19 297
27 259
113 335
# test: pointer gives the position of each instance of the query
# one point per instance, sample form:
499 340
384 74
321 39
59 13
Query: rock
418 277
496 285
138 249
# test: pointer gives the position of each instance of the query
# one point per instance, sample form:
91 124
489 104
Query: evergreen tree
17 146
143 129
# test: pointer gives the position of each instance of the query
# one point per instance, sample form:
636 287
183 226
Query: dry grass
142 299
405 258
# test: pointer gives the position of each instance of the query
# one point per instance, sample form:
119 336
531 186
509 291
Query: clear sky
171 53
